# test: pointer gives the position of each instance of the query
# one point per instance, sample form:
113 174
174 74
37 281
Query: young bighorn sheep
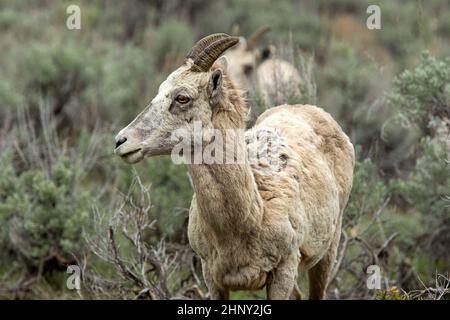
244 58
252 224
262 74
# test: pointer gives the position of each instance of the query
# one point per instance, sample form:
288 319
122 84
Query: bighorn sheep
252 224
244 58
262 74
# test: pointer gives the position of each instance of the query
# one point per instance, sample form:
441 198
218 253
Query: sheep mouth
133 156
130 153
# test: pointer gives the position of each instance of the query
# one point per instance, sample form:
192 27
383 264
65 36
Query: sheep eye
248 69
182 99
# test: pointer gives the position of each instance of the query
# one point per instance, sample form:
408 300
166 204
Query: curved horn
254 38
203 43
235 30
206 58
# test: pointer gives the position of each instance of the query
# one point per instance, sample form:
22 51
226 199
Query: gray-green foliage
172 41
423 92
251 15
427 187
348 87
422 97
8 96
124 86
307 87
368 192
58 72
41 216
170 191
422 223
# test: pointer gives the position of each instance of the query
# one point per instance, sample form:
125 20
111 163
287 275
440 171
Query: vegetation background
66 200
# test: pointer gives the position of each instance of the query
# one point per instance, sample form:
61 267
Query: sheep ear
215 84
222 63
266 53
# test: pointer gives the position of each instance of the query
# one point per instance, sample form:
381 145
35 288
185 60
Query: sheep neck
227 196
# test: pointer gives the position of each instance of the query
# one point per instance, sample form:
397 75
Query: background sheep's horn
206 58
254 38
235 30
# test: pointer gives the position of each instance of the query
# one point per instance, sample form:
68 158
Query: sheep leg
319 274
296 293
280 285
215 292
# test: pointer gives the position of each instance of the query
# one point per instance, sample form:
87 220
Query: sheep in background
268 79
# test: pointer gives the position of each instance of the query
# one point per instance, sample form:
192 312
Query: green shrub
45 196
57 72
368 192
360 229
427 187
399 41
125 84
170 191
308 87
424 92
8 18
348 87
421 97
41 217
172 41
9 98
301 23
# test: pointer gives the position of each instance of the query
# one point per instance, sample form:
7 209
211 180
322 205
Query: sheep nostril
120 141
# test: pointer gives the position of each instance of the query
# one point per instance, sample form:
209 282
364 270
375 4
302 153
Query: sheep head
188 94
244 57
